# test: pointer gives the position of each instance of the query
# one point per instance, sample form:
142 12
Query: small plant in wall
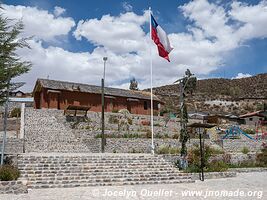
245 150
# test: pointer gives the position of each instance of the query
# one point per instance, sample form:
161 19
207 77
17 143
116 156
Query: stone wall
13 187
13 146
236 158
213 175
142 145
47 130
236 145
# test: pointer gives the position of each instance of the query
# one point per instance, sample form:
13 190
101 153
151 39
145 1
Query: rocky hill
220 95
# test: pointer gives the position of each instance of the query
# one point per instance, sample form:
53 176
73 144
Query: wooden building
59 95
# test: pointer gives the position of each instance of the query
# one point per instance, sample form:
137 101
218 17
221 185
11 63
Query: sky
69 39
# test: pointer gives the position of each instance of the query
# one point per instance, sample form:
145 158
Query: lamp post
103 107
200 129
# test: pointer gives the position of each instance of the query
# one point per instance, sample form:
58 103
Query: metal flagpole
151 90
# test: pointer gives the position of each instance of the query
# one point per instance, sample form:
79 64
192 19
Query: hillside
220 95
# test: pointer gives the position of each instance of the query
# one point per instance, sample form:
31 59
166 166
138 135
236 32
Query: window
251 119
145 105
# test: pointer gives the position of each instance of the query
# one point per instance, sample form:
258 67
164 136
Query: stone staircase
82 170
44 132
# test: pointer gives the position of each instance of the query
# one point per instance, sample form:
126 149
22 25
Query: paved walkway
246 186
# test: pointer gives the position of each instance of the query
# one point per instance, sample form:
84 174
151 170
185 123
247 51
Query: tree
11 64
133 84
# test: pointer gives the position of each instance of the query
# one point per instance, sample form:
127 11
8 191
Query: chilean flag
161 39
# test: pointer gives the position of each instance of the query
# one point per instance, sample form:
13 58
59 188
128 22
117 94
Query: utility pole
103 141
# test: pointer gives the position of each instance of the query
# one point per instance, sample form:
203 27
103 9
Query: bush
250 131
261 158
8 173
164 149
130 121
245 150
213 166
175 136
244 164
113 119
217 166
148 134
15 112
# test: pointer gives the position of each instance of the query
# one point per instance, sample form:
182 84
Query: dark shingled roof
70 86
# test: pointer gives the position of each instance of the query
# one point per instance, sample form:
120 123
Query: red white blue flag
161 39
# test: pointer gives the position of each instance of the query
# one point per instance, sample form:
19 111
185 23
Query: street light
105 60
103 141
200 129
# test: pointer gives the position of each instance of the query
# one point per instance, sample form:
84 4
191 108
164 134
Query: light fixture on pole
103 141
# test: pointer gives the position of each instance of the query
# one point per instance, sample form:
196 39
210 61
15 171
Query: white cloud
123 40
39 23
59 11
127 7
241 75
120 34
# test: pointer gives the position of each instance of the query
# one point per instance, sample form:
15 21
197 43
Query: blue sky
212 38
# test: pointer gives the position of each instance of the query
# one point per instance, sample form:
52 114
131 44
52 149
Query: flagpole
151 90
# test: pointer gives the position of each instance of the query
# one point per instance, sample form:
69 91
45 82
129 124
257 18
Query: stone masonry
74 170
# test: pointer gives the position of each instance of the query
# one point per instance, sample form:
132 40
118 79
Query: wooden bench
77 110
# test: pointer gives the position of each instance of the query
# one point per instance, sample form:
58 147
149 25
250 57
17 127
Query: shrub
145 123
113 119
175 136
174 150
245 150
194 160
164 149
8 173
15 112
244 164
115 111
261 158
148 134
250 131
130 121
217 166
216 151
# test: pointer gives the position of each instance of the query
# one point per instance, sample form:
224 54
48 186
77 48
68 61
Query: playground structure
234 132
261 130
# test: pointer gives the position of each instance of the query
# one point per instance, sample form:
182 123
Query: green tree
133 84
11 64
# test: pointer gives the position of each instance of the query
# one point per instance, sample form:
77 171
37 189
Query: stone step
108 170
91 164
110 177
88 183
99 168
106 173
73 170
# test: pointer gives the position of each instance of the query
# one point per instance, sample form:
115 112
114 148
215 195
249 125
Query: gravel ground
246 186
